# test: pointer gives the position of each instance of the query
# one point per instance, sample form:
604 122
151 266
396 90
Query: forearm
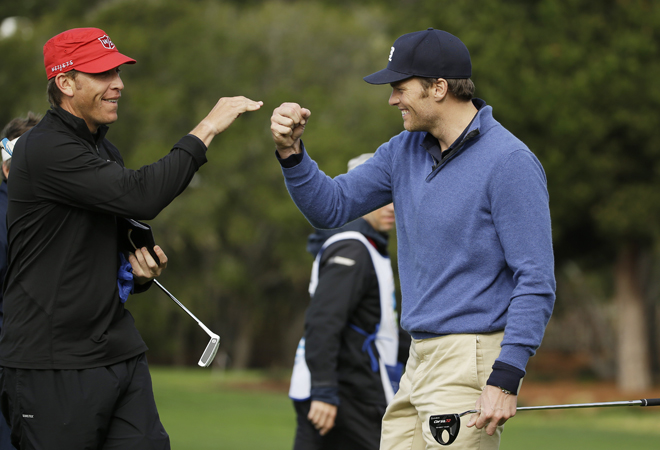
521 215
327 202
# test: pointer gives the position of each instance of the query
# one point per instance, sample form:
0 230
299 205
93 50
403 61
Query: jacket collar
78 125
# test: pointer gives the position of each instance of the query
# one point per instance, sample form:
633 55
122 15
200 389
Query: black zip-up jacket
67 188
346 294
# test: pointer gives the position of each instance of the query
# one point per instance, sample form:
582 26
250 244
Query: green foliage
574 79
235 240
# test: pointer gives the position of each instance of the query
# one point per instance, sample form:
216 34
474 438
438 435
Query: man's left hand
496 408
144 267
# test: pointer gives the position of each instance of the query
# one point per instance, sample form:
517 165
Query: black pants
357 427
104 408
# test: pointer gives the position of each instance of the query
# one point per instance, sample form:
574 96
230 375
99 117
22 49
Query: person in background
10 134
475 255
349 362
74 373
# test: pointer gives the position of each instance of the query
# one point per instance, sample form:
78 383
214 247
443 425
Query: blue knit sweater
474 238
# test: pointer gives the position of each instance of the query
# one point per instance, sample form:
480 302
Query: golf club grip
650 402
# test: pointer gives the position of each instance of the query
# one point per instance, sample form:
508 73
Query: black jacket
61 303
345 295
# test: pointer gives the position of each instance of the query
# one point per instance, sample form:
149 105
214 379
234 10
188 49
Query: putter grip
651 402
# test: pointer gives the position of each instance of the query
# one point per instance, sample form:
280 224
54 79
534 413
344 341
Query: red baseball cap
88 50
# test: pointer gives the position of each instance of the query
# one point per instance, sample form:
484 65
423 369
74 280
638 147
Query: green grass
597 429
201 410
205 410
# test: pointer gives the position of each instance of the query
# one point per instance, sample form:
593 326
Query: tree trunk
634 369
242 348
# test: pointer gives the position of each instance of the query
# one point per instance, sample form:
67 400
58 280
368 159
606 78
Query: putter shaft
445 427
214 343
642 402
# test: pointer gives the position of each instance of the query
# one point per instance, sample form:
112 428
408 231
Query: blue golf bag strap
366 347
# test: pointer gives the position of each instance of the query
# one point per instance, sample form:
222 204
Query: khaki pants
444 375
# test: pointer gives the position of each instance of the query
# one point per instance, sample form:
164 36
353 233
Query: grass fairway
233 411
202 410
593 429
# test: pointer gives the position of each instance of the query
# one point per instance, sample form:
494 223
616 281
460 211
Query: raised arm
222 116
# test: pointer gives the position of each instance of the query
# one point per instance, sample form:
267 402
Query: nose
394 98
116 82
389 208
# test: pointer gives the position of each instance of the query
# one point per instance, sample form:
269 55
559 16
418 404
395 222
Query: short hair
16 127
54 92
461 88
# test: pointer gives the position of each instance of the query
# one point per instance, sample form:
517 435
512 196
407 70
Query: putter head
210 351
442 423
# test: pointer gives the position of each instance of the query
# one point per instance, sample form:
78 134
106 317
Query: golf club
214 343
450 423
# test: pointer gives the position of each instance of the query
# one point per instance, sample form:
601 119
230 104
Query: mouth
114 101
404 112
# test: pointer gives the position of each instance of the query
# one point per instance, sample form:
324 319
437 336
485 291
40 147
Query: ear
66 84
440 89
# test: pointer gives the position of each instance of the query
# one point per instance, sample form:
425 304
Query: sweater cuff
325 394
292 160
506 376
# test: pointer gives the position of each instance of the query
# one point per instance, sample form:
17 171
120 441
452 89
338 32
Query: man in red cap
74 372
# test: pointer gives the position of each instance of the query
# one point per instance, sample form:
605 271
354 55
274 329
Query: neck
452 120
70 109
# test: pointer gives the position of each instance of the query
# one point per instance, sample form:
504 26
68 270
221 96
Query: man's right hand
222 115
322 415
287 125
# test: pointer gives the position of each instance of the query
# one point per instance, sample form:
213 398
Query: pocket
480 371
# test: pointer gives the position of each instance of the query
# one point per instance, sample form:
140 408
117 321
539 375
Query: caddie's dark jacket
61 302
346 294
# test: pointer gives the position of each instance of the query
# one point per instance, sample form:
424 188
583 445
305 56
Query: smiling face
93 97
415 104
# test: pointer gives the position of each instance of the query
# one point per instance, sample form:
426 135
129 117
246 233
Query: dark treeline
574 79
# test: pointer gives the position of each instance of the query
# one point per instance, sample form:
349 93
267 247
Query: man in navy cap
474 238
74 372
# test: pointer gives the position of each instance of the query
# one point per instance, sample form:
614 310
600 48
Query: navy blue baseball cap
430 54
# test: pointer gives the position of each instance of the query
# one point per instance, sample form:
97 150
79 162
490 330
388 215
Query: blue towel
125 278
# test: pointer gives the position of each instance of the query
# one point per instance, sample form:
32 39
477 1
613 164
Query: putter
449 424
214 343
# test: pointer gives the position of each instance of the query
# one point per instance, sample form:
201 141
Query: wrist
285 152
205 132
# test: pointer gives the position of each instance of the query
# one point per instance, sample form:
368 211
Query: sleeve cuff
291 160
140 288
325 394
193 145
506 376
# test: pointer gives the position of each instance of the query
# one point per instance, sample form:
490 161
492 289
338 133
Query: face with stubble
95 97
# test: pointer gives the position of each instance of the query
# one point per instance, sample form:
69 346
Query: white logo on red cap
391 53
107 43
61 66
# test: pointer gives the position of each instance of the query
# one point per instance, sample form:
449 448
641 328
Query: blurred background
576 80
